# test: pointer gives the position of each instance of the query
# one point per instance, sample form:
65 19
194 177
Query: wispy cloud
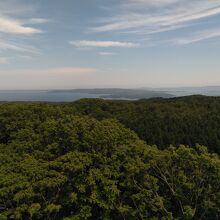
18 26
106 53
149 3
12 46
199 36
37 21
155 16
14 26
11 12
102 44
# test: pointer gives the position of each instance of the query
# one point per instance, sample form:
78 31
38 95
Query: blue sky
63 44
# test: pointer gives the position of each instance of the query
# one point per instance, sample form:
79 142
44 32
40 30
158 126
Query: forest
97 159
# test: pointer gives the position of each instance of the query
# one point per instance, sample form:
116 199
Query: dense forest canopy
164 122
97 159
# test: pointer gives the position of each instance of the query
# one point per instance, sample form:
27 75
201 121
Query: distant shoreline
104 93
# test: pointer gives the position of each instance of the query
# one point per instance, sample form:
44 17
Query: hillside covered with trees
97 159
163 122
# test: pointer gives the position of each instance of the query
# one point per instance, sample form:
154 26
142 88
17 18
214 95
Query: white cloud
17 27
14 26
199 36
191 17
102 44
11 10
135 18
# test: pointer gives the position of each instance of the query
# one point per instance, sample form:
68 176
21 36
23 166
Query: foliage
164 122
57 164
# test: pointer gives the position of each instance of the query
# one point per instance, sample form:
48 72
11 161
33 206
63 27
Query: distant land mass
71 95
187 91
117 93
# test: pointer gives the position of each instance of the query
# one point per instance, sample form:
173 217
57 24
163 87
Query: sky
67 44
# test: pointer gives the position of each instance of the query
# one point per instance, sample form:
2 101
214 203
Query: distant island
117 93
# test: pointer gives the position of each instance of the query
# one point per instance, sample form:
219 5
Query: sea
41 96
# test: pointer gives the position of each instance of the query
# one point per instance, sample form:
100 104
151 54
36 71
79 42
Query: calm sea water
43 96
